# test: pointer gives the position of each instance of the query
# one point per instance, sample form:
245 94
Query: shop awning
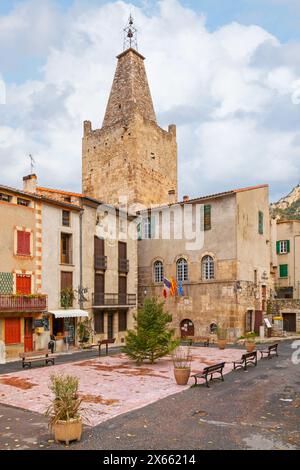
69 313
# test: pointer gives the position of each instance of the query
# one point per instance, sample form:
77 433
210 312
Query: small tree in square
153 337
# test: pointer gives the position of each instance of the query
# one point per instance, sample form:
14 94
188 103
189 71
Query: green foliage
85 330
67 297
66 403
152 338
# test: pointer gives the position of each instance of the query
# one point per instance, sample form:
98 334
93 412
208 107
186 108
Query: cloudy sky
226 72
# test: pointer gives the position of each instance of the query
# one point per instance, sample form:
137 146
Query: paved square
109 386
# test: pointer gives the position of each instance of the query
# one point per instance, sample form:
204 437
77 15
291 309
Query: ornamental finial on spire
130 35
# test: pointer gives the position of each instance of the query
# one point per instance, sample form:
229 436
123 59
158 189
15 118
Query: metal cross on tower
130 35
32 163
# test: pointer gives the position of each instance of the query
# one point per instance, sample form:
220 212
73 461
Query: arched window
158 271
208 268
182 270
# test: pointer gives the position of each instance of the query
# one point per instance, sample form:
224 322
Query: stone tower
130 155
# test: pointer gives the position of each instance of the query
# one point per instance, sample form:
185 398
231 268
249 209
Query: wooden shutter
122 250
288 246
99 322
283 270
99 283
23 242
122 320
139 231
12 330
207 217
99 246
66 280
260 222
278 247
23 284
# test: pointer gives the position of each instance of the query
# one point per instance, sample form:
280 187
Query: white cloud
231 104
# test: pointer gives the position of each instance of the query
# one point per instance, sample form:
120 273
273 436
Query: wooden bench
103 342
197 339
37 356
269 351
247 358
210 370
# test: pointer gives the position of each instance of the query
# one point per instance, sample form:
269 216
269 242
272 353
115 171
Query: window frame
208 268
63 219
281 267
182 264
158 272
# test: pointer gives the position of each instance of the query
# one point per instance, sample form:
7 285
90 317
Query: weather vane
130 35
32 164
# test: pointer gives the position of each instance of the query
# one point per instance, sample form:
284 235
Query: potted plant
65 420
250 341
222 337
182 365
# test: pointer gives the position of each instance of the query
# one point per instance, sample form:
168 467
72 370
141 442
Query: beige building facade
225 281
286 272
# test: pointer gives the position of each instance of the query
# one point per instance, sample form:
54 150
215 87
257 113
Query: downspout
80 262
298 293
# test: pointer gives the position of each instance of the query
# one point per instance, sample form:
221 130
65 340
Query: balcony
23 303
100 262
123 265
114 300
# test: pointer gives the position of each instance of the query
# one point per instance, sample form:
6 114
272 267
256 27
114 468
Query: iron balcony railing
123 265
100 300
100 262
23 303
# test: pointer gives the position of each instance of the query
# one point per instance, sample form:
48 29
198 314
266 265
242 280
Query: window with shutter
23 284
283 247
122 321
23 243
99 322
207 217
260 222
283 270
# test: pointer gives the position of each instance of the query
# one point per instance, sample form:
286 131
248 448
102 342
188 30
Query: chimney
186 198
172 196
30 183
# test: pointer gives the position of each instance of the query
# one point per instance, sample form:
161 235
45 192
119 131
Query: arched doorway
187 328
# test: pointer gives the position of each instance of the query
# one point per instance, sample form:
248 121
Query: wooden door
187 328
258 321
122 290
99 289
110 326
28 336
289 322
23 284
12 331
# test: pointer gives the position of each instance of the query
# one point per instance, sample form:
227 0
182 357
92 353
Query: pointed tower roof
130 91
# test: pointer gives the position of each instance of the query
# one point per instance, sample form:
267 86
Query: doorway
289 322
187 328
110 326
28 336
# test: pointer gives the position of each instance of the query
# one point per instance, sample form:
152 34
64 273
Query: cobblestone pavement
258 409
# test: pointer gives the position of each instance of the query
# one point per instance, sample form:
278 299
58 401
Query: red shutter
23 242
23 284
12 330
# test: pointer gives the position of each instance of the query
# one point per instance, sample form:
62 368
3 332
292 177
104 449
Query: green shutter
283 270
260 222
139 231
207 217
278 247
288 246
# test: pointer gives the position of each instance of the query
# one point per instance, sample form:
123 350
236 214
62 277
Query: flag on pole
165 293
173 288
167 283
180 289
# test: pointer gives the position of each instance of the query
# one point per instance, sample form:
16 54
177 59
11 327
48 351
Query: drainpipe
80 262
298 293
